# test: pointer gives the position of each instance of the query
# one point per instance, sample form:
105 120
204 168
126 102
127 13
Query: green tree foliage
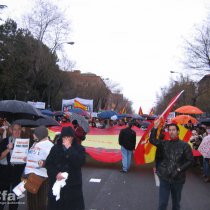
28 68
29 71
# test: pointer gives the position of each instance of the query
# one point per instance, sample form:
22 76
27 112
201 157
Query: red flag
145 152
140 111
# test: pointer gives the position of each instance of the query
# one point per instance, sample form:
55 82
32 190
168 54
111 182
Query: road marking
157 181
95 180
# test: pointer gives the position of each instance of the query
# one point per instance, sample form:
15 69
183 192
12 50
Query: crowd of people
46 160
51 159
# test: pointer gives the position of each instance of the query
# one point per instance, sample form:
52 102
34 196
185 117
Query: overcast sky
135 43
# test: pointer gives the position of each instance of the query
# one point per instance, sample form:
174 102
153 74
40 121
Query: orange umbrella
183 119
189 110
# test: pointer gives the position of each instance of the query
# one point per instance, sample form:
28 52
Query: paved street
135 190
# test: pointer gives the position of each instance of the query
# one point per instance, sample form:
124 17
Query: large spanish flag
101 144
77 104
145 152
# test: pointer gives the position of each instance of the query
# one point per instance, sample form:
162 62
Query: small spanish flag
140 111
123 111
151 111
77 104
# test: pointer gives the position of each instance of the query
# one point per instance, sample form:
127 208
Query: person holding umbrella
79 132
10 174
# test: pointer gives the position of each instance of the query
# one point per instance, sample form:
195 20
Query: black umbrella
13 109
58 113
45 120
205 121
145 124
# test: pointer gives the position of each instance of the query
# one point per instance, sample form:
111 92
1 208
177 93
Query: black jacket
69 161
174 154
10 173
127 138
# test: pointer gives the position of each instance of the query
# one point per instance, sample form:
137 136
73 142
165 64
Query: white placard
38 104
19 189
20 151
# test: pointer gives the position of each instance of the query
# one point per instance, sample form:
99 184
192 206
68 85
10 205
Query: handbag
33 183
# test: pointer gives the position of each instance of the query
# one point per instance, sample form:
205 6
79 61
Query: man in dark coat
127 140
10 174
66 156
176 158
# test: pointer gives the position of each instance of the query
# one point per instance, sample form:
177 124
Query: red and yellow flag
145 152
152 111
77 104
140 111
123 111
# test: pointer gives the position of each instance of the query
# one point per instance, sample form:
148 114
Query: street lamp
71 43
57 45
172 72
49 86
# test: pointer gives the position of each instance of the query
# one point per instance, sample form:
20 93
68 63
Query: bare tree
2 7
198 50
187 98
48 24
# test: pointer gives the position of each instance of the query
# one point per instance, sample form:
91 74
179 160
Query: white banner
38 105
20 151
68 104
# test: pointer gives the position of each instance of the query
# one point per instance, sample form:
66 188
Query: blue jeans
206 168
164 192
126 158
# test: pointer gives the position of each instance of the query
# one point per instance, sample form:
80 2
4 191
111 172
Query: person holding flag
176 158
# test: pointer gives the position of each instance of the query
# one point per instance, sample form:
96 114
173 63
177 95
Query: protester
35 164
206 170
4 127
189 125
66 156
127 140
10 174
202 130
176 159
206 166
79 132
195 139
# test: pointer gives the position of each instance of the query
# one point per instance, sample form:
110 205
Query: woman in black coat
66 156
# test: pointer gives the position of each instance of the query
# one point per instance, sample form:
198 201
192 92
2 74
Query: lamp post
59 44
49 86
